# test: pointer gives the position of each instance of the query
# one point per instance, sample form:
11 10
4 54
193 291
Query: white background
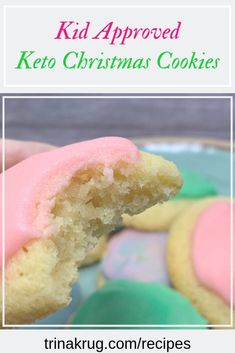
204 29
208 341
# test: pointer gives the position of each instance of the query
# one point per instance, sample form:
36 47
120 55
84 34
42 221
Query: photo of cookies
117 177
104 216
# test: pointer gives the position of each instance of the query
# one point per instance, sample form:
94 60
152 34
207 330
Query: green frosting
195 186
129 302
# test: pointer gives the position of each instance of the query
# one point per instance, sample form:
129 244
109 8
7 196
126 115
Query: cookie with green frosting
195 186
124 302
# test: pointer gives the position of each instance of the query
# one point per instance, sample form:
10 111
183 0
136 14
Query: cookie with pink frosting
58 204
199 258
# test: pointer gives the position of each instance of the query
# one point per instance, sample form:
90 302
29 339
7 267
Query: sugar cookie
199 258
57 205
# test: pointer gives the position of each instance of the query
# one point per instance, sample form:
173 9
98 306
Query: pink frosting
211 249
31 186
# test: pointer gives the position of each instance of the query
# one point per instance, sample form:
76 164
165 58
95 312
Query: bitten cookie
161 217
198 258
58 204
63 315
96 253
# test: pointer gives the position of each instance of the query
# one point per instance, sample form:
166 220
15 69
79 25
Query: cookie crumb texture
39 276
